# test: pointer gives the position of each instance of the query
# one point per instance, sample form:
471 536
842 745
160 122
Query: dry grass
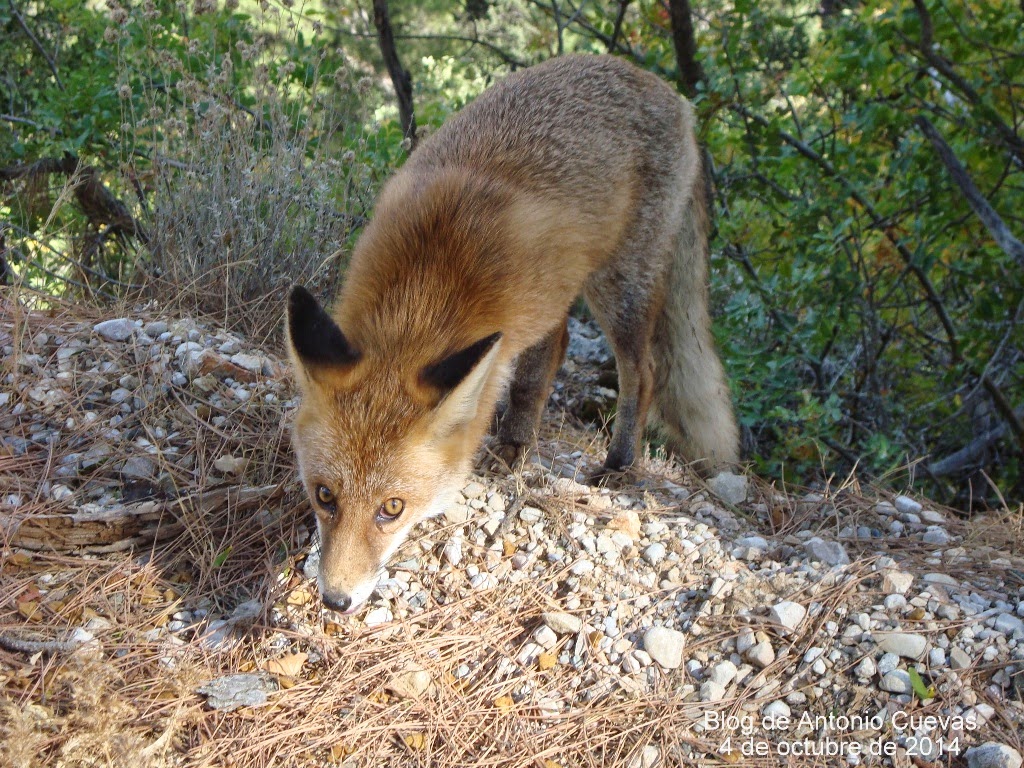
130 699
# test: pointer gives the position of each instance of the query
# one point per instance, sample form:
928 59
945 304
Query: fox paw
505 457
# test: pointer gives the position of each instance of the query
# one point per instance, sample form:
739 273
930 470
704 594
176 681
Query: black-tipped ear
449 373
316 338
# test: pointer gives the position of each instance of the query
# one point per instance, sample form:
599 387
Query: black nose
337 601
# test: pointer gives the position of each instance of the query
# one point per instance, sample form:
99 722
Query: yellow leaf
288 665
508 547
30 610
505 704
546 661
340 751
552 764
415 740
299 596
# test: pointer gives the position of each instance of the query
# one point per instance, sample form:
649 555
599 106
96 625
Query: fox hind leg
534 372
627 310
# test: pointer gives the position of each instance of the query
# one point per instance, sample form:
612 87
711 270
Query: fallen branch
970 453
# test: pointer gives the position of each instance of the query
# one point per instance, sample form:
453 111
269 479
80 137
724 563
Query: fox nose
337 601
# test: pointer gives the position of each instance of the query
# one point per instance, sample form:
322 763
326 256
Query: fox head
381 444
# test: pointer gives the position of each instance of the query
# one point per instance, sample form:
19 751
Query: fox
578 176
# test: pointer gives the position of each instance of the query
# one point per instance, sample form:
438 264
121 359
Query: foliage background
215 151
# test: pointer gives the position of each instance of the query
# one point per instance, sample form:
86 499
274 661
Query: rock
251 363
562 623
936 535
760 655
932 517
723 673
730 488
581 567
906 505
896 582
453 551
139 468
649 757
866 669
788 614
1007 623
411 683
120 329
545 637
897 681
993 755
827 552
377 616
888 663
905 644
235 691
712 691
959 658
665 646
777 709
655 553
155 328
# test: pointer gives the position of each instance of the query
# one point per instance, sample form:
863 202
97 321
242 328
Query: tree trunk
400 76
690 71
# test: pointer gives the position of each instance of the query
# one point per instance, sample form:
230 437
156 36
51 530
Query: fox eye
390 510
325 499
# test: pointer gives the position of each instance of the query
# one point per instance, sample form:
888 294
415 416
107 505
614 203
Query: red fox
579 175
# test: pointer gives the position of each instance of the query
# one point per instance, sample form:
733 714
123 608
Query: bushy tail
691 395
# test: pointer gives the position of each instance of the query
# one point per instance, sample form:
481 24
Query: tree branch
400 76
620 17
35 41
1013 247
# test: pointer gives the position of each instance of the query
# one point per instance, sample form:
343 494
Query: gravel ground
837 627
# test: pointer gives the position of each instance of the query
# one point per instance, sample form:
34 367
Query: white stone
827 552
665 646
545 637
723 673
760 655
788 614
866 669
906 505
655 553
1007 623
410 683
896 582
453 551
562 623
115 330
897 681
905 644
777 709
730 488
712 691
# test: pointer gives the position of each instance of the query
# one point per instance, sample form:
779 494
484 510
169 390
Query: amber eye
325 498
390 510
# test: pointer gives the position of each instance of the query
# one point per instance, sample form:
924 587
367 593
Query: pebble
905 644
712 691
776 710
562 623
959 658
993 755
1007 623
906 505
665 646
896 582
723 673
788 614
120 329
729 487
827 552
761 655
897 681
655 553
545 637
866 669
410 683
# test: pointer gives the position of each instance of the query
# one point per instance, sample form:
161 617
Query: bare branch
1013 247
35 41
620 16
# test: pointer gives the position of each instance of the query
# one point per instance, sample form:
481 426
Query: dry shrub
253 187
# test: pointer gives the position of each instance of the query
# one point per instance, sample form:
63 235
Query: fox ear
460 378
316 340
